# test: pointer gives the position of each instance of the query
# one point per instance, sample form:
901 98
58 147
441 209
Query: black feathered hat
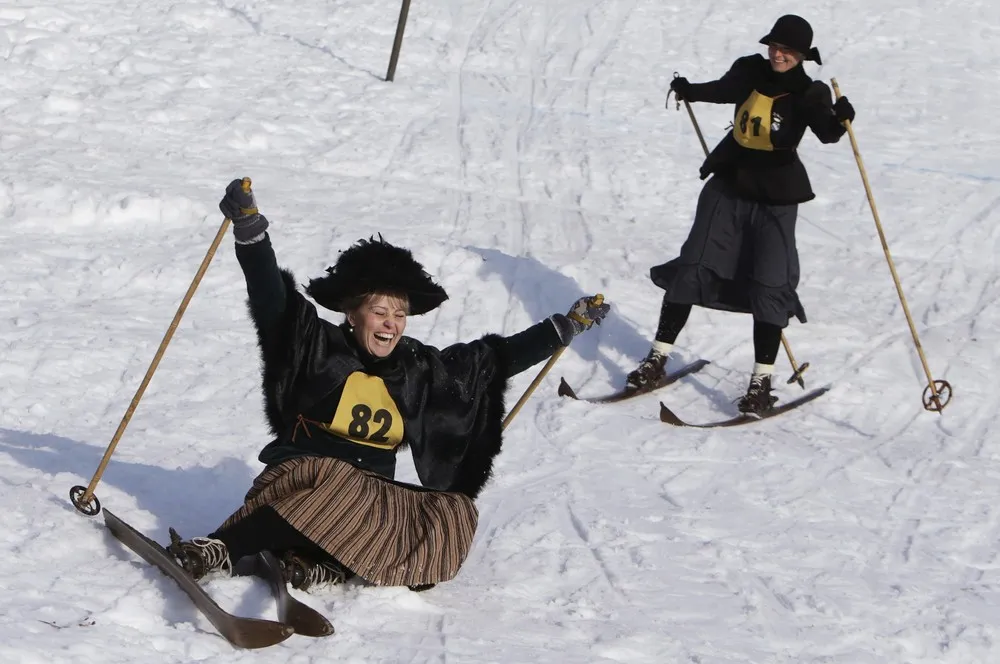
795 32
375 266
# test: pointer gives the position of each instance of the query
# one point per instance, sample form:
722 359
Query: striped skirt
388 533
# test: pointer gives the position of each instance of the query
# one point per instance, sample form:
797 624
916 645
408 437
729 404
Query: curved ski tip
565 390
667 416
309 622
258 633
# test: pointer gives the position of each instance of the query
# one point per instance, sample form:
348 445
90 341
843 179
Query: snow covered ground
525 154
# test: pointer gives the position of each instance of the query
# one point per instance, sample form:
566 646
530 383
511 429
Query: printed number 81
755 121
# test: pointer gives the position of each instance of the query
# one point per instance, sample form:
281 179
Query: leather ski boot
200 555
758 398
649 371
302 574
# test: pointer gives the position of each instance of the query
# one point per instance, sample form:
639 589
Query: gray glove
240 206
581 317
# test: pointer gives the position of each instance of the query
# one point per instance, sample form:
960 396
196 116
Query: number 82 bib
366 414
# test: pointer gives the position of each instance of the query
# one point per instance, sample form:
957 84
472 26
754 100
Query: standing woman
740 254
343 399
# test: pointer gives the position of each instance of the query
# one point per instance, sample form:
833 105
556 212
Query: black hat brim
811 54
375 266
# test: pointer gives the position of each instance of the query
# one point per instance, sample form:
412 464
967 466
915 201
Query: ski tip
565 390
667 416
254 633
309 622
110 519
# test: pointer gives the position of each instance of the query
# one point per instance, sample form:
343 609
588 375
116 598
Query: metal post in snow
398 41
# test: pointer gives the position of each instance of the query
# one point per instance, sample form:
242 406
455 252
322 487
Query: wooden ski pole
937 394
797 370
597 300
531 388
83 498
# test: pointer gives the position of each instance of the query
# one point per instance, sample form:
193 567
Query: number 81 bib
753 123
366 414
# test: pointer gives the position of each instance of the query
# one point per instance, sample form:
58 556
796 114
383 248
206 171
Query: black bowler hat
375 266
795 32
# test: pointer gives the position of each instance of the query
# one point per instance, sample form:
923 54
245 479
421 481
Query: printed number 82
362 415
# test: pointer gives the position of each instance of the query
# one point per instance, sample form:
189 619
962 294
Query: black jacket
758 157
446 405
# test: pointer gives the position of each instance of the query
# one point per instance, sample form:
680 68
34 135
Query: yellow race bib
366 414
752 127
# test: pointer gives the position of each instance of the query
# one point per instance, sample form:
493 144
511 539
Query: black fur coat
451 400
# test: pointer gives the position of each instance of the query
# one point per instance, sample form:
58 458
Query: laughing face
379 323
783 58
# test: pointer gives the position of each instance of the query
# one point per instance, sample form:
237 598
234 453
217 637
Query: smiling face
378 323
783 58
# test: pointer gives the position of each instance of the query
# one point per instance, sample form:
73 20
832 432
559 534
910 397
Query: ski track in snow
525 154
